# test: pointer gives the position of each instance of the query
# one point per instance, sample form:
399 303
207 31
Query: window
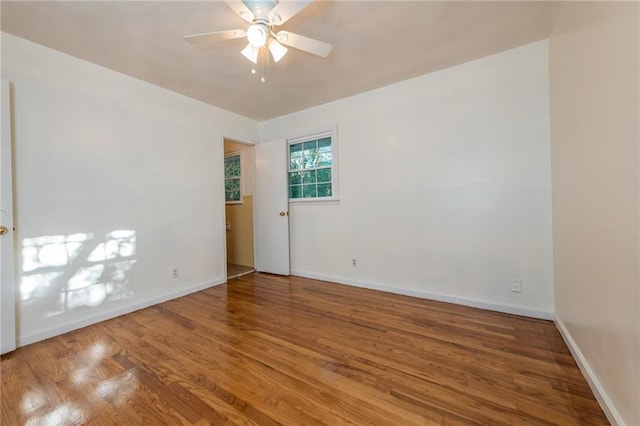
232 193
312 168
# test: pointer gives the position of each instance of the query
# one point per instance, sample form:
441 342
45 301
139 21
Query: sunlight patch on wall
51 251
65 272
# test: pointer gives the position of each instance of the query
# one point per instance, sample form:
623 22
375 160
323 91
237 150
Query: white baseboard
475 303
103 316
592 379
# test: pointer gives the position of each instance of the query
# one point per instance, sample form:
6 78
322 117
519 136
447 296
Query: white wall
444 186
97 152
594 72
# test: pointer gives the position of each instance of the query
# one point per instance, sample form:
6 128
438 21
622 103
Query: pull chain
262 78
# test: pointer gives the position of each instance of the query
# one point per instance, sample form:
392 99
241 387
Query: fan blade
310 45
214 36
286 10
241 10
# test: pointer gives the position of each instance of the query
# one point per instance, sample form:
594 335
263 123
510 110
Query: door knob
3 230
283 213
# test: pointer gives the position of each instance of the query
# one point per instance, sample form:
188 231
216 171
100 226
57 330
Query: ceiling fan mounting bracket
260 8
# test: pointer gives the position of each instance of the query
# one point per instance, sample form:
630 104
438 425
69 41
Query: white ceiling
375 44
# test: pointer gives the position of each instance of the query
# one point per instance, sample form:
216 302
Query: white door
272 208
7 283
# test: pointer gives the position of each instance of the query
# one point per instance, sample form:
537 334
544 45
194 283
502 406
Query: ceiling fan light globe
277 50
257 35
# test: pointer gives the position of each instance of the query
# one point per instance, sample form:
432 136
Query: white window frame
234 154
318 134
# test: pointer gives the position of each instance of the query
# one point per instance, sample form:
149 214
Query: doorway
239 176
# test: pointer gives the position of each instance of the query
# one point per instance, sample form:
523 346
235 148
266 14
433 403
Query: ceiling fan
264 16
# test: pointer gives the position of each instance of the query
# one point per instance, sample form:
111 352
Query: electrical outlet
174 273
516 286
354 263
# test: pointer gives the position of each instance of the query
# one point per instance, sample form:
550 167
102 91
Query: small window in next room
312 168
232 193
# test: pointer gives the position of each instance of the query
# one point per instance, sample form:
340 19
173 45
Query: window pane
324 175
308 177
227 167
309 191
295 178
324 159
324 145
295 149
310 146
296 163
309 161
232 190
232 166
227 190
235 195
310 154
295 191
324 190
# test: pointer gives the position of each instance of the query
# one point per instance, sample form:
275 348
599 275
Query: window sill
325 200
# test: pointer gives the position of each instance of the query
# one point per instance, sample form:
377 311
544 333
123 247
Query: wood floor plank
269 350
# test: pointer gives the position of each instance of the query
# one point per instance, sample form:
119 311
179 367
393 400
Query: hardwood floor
270 350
